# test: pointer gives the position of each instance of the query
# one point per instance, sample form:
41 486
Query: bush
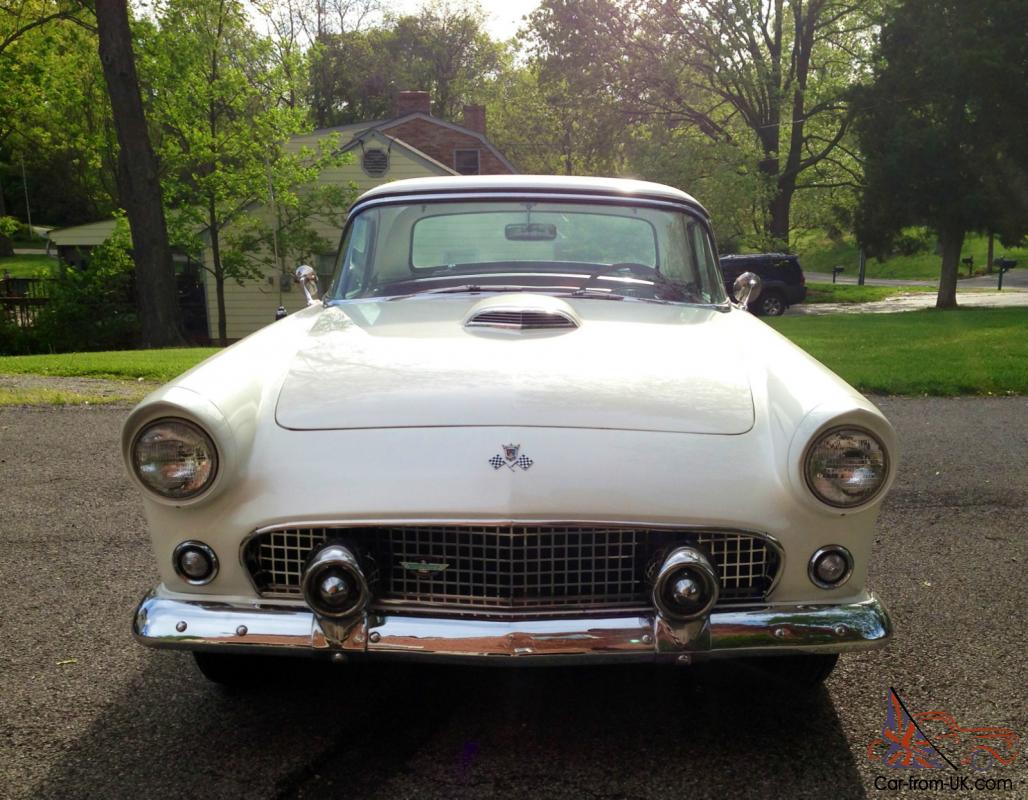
92 308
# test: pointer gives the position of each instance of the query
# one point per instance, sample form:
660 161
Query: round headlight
174 458
846 467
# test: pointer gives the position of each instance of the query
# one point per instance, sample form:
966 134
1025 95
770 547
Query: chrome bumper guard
293 630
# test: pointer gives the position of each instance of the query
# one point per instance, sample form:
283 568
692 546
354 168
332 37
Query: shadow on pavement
394 730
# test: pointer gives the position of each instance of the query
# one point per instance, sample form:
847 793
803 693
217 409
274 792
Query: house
411 144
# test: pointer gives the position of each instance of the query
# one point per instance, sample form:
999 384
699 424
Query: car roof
544 184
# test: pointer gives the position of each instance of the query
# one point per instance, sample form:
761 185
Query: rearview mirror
746 289
531 232
308 280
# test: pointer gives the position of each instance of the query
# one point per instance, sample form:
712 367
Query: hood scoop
522 312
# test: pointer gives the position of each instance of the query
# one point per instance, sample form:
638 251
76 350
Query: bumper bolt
241 630
647 639
779 633
840 630
374 636
685 659
339 658
181 626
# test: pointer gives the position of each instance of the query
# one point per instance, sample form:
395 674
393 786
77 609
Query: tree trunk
138 182
988 260
778 218
219 271
952 241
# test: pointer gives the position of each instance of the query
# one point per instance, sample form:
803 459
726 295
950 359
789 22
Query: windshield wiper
598 294
465 287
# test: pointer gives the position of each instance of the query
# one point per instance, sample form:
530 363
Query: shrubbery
89 309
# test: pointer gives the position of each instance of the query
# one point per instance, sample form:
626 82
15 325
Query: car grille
513 568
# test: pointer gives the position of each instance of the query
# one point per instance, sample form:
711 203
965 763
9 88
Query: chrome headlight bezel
196 428
809 477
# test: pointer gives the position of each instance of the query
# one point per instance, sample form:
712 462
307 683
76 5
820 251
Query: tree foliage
935 127
442 49
223 125
766 77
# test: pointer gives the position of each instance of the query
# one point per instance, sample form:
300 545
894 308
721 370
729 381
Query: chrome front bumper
294 630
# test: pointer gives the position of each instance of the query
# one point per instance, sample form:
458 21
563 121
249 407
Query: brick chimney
409 102
474 118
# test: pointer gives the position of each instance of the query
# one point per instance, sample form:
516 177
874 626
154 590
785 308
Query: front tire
771 304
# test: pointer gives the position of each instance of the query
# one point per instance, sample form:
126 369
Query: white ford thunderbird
524 424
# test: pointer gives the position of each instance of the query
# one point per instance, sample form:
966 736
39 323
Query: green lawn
849 293
819 254
967 351
975 351
33 266
153 365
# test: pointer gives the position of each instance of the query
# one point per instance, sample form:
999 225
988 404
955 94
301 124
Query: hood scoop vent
520 319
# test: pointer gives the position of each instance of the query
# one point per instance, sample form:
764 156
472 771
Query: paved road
1016 278
86 713
913 302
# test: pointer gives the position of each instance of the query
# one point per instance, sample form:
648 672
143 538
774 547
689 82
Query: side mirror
308 280
746 289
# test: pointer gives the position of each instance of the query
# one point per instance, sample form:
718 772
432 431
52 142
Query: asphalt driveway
84 712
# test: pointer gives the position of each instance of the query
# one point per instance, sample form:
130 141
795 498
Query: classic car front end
523 426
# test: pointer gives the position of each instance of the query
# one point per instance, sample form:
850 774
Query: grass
28 266
59 397
972 351
150 365
849 293
819 254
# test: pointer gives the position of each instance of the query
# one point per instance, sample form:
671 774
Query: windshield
588 250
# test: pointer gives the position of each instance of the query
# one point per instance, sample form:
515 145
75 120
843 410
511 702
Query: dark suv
782 280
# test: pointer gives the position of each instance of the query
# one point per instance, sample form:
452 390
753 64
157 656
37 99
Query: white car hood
411 362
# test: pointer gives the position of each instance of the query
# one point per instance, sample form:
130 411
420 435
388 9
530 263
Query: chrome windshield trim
463 195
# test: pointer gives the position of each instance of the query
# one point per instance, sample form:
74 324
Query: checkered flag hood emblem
511 458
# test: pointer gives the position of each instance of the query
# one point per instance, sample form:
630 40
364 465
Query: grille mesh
514 568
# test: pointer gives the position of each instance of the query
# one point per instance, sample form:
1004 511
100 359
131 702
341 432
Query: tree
546 123
765 76
442 49
941 148
139 181
224 121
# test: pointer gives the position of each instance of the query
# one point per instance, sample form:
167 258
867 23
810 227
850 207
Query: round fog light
195 563
335 590
686 586
333 582
830 566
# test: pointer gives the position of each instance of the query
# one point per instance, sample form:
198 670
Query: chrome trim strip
381 523
166 622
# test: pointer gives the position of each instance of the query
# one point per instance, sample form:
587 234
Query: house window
466 162
375 162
